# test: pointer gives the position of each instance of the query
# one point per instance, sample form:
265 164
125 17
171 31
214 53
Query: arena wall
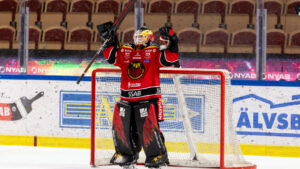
266 113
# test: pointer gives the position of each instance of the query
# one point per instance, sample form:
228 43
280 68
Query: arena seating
85 6
235 22
215 6
276 41
35 36
51 19
231 22
181 21
155 20
80 37
9 5
57 6
35 6
7 34
295 39
127 36
188 7
243 7
274 7
208 21
54 38
292 23
215 41
99 18
108 6
189 39
243 41
161 6
293 43
290 5
32 19
76 19
5 18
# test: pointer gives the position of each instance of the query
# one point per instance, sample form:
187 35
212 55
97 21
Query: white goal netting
197 118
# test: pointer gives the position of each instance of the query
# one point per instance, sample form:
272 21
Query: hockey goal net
198 125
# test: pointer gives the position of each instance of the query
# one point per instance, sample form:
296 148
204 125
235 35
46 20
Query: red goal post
179 77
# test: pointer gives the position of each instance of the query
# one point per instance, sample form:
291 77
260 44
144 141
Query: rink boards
266 114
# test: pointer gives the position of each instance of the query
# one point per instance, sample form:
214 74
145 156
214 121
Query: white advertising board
265 113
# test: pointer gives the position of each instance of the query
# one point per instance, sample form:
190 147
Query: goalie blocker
135 125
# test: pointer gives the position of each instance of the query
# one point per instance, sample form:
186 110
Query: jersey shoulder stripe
153 45
128 46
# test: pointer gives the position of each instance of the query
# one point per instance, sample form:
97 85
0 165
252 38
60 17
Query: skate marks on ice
23 157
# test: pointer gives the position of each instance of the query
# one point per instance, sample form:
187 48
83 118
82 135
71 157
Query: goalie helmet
142 36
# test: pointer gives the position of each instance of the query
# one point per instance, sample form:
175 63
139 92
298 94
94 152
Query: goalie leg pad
121 129
136 145
148 129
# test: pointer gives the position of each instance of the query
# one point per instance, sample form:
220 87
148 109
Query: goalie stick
115 27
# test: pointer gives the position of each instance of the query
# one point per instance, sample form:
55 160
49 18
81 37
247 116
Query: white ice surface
20 157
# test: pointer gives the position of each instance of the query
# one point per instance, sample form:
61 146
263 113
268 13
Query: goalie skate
122 160
156 162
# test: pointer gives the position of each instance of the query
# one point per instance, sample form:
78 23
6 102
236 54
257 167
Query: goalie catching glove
169 39
106 32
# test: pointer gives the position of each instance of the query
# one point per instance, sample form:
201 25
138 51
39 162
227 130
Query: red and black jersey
140 69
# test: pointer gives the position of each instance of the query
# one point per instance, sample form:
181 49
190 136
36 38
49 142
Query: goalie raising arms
136 115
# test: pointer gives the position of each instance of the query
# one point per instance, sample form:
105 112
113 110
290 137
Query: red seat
243 7
35 6
83 6
108 6
293 46
161 6
274 7
81 35
190 37
216 6
7 33
291 6
9 5
35 36
295 39
127 36
55 34
57 6
276 38
188 6
244 38
217 37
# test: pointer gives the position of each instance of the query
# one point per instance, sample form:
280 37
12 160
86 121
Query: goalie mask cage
198 123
